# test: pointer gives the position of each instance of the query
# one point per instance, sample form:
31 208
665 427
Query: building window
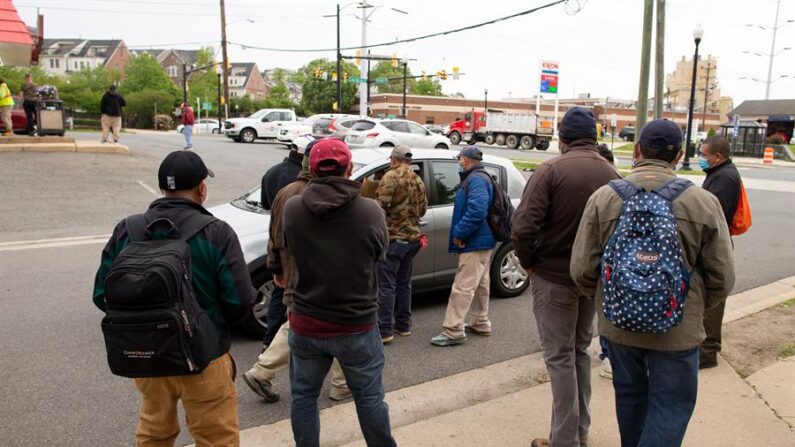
428 120
172 71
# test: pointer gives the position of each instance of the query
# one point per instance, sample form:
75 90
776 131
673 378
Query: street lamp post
405 87
486 100
697 35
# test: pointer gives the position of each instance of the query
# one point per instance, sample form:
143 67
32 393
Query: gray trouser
565 325
713 322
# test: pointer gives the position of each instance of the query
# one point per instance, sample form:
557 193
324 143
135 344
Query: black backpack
500 210
154 326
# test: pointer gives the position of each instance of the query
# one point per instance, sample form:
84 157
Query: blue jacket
472 202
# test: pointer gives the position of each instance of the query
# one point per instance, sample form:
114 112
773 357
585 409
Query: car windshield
259 113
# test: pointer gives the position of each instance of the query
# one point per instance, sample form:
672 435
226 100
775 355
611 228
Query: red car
18 119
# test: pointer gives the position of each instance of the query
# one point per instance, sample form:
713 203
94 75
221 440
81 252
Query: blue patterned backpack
644 278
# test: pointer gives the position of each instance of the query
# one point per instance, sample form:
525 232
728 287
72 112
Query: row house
64 56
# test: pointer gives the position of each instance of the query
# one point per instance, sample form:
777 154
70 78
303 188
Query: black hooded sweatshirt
336 237
111 104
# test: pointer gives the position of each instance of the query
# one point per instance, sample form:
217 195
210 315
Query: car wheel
527 142
500 139
455 138
508 278
236 139
512 141
542 145
182 130
255 324
489 139
624 137
215 130
248 135
387 144
441 146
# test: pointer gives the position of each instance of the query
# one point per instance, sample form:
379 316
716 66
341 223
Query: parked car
627 133
263 124
203 125
18 120
435 128
391 132
341 126
318 126
434 267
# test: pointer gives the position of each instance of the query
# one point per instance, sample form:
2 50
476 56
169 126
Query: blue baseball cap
661 134
472 152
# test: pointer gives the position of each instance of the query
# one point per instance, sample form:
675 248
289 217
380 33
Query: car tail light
372 135
331 126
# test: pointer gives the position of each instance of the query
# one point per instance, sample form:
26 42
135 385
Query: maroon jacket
187 118
546 221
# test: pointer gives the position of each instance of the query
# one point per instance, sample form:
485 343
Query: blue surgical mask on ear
634 162
703 163
460 169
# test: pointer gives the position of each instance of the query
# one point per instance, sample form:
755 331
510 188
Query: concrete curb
339 424
67 146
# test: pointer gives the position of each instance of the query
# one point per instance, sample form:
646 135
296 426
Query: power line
161 13
415 39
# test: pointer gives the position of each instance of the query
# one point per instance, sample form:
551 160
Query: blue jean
603 344
362 359
188 132
276 316
394 286
655 394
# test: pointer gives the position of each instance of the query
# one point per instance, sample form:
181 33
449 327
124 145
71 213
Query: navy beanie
578 123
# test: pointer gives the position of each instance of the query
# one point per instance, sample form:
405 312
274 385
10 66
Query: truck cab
467 123
263 124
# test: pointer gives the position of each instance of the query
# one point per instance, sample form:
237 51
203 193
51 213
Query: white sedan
203 125
391 132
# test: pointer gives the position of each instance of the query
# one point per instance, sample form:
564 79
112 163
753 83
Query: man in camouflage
401 194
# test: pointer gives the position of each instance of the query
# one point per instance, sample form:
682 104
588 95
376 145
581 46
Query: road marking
54 243
146 187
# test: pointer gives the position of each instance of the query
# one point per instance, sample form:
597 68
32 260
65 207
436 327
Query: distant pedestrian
172 282
29 94
472 240
187 118
275 354
653 240
336 238
544 228
6 104
401 193
110 106
723 181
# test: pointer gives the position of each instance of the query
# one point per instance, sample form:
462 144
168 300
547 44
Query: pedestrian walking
6 104
110 119
723 180
29 94
472 240
187 119
336 238
275 355
176 346
544 228
670 242
401 193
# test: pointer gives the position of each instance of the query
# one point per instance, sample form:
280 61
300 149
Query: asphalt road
54 382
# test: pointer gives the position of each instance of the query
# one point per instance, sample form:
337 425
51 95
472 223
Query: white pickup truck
263 124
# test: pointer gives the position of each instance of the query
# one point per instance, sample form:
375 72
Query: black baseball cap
182 170
661 134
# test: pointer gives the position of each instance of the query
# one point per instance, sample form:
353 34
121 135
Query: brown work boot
539 442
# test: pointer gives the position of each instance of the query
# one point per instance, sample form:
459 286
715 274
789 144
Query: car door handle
423 223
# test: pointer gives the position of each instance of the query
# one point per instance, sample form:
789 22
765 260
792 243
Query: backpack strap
673 189
193 224
136 227
624 188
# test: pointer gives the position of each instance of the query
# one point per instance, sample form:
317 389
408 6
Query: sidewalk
504 405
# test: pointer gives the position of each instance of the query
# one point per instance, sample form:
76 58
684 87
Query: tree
319 95
427 87
141 106
204 84
83 90
384 69
143 72
279 95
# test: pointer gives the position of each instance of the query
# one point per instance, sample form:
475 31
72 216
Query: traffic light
318 72
424 76
345 76
456 72
442 75
358 57
333 75
394 60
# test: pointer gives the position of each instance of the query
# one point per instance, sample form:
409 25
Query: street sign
549 77
613 120
381 80
207 106
456 72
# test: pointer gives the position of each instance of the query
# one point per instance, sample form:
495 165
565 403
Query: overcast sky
598 47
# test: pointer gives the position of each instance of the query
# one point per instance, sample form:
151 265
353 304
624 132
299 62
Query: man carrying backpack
654 253
544 227
472 240
723 180
172 282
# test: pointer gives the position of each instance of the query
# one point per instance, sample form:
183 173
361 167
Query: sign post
613 123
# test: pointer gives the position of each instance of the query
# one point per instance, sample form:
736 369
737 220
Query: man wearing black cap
655 375
222 288
544 227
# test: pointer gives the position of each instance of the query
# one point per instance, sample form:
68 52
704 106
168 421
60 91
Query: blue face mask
634 162
460 169
703 163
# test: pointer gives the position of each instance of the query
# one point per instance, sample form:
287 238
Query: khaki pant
5 117
277 357
469 298
565 325
713 322
110 123
209 400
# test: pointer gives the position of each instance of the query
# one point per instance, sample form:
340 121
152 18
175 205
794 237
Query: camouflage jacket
401 194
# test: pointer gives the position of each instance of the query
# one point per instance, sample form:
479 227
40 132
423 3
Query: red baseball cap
329 154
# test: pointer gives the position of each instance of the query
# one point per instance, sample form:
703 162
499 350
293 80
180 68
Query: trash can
50 117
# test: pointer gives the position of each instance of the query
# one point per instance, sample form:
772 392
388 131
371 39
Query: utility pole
706 97
339 64
184 83
367 79
645 62
772 51
225 68
659 57
405 74
362 93
220 103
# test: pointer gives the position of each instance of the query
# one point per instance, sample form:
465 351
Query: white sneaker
607 370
